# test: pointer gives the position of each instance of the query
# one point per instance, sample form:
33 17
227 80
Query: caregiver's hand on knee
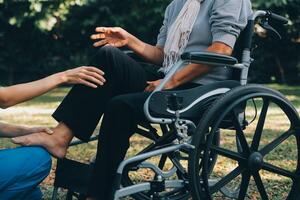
89 76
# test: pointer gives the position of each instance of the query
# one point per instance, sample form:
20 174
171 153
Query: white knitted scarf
179 33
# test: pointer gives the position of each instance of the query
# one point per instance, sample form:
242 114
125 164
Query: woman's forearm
7 130
148 52
193 71
13 95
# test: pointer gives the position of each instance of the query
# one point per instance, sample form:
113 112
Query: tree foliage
279 60
42 37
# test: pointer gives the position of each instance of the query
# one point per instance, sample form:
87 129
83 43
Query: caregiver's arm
7 130
89 76
118 37
192 71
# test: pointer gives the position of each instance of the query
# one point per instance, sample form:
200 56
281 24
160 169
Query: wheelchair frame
184 143
172 142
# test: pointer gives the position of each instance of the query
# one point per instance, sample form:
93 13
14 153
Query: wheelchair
215 142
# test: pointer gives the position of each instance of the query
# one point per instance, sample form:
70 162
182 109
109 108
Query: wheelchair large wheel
258 155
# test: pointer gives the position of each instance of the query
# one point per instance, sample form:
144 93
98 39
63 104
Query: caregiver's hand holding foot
56 144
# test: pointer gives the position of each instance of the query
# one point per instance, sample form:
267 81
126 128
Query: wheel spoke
225 180
268 148
200 166
279 171
228 154
240 133
178 165
244 185
260 186
162 161
260 125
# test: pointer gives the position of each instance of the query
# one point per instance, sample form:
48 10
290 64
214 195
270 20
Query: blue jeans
21 171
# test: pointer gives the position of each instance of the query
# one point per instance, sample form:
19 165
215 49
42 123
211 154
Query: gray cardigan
218 21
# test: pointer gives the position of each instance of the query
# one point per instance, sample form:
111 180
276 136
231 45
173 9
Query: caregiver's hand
114 36
40 129
85 75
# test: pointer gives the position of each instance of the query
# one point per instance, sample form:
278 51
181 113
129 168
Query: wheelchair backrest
244 42
237 53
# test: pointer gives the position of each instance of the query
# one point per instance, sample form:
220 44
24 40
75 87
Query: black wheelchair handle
278 17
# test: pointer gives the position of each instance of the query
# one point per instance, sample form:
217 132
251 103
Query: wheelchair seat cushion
194 101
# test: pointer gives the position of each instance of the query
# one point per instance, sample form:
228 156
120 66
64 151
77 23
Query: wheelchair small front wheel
135 176
258 155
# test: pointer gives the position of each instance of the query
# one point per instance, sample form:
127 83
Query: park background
38 38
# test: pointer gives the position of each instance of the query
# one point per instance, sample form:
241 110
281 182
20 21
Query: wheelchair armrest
208 58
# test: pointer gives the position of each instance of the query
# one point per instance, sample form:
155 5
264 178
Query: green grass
37 112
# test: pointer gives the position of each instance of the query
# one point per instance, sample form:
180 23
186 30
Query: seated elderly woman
189 25
22 169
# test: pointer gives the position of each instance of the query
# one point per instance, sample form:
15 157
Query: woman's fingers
48 131
91 76
118 44
42 129
98 36
107 29
86 75
102 29
86 83
150 86
94 69
100 43
91 79
147 89
97 76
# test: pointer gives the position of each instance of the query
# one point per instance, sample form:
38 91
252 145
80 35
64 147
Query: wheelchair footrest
143 187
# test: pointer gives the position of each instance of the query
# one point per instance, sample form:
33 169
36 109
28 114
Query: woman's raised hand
85 75
114 36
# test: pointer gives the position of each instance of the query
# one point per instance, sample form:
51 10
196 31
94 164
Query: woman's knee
38 162
24 168
41 156
109 53
106 59
108 50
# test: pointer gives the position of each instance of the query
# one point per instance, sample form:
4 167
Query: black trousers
121 101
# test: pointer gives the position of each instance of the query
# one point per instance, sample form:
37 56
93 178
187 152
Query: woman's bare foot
57 143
